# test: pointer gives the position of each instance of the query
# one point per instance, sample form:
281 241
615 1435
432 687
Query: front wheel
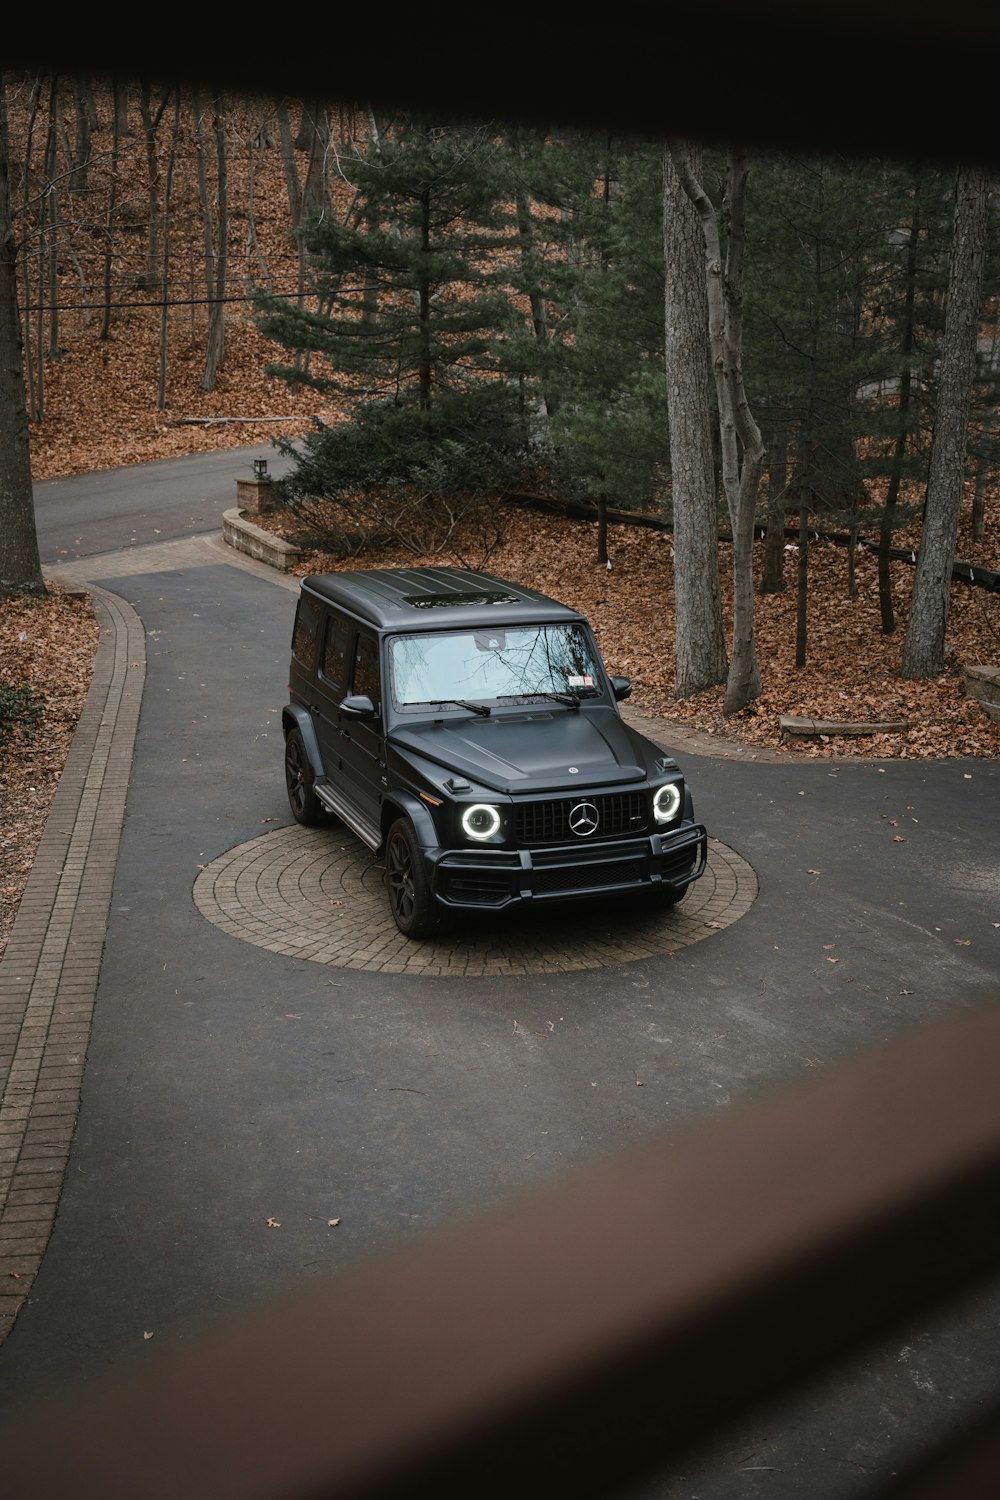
306 806
413 907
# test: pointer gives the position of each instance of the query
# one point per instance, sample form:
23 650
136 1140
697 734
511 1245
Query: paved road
226 1085
86 514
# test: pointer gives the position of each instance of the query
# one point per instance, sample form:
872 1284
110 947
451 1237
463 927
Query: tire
413 907
306 806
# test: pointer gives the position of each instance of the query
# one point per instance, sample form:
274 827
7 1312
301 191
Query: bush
430 482
19 708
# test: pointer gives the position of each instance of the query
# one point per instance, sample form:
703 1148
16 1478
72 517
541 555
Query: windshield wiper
474 708
571 700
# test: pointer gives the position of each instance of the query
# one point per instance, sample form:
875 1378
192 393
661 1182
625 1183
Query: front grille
548 822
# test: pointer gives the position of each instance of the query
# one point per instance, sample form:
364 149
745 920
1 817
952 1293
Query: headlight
481 821
667 801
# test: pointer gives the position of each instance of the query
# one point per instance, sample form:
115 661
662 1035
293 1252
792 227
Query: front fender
406 805
293 716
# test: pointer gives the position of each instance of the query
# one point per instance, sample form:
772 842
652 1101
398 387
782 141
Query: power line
100 304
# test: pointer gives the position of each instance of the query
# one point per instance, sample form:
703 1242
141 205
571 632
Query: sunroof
443 601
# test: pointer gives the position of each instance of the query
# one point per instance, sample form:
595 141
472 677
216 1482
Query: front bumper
495 878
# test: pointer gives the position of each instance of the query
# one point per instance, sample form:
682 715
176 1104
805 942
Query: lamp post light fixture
260 468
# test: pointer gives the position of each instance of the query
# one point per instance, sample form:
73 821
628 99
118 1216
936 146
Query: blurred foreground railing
586 1334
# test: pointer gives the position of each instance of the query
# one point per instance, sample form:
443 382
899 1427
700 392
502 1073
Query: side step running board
334 802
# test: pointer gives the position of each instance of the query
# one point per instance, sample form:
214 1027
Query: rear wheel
413 907
306 806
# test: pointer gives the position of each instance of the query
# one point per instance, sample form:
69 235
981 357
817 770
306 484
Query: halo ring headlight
666 802
480 821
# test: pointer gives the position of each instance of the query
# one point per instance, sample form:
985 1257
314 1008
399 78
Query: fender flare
294 717
406 805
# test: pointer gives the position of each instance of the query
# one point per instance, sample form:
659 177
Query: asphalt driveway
236 1100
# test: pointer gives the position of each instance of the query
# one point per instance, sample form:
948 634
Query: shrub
20 708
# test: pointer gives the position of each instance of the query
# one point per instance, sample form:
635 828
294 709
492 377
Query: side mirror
359 706
621 687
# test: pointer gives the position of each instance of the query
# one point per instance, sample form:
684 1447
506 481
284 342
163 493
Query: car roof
429 598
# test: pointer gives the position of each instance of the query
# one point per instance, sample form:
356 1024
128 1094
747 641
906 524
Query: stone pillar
255 496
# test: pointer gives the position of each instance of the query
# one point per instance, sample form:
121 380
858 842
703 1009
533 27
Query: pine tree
593 364
409 317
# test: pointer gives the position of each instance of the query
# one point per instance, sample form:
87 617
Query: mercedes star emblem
583 819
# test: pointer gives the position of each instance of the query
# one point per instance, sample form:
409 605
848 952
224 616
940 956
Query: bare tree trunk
120 91
983 474
802 590
700 642
86 117
294 190
888 519
161 384
150 124
31 357
38 407
742 447
314 139
424 303
852 554
216 235
602 527
261 140
217 316
50 236
772 579
923 648
530 266
120 111
288 166
19 564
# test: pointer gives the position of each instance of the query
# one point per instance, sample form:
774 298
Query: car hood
537 751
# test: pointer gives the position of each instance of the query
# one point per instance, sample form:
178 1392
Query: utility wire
99 303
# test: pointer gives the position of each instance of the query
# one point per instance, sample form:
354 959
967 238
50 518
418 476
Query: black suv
467 727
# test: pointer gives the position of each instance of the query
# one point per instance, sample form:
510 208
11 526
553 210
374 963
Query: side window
366 673
335 650
305 632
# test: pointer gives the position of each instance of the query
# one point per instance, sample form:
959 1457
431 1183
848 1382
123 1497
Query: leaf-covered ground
852 670
46 653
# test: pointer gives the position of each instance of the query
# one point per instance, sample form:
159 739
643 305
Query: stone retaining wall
242 534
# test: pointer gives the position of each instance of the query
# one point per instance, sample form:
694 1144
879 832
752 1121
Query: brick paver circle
319 894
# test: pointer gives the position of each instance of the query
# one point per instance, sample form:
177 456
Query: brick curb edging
50 968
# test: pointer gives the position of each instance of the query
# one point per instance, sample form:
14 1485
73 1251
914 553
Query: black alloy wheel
410 900
306 806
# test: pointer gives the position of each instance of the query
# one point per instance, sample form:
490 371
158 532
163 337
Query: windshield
522 661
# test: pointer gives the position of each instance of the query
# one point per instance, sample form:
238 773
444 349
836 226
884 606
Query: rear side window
335 651
366 673
305 632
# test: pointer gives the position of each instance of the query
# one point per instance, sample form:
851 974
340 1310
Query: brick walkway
50 968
